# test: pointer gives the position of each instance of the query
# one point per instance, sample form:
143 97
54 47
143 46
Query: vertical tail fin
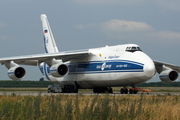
49 42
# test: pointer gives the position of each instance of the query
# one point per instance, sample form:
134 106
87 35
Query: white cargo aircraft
98 68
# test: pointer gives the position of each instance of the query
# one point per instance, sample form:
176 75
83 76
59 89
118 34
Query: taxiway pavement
44 93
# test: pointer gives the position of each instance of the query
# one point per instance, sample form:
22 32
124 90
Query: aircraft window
133 49
139 48
128 48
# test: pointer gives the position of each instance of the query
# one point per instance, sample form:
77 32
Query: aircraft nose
149 69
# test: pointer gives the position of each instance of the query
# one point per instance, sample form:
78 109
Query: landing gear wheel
131 91
101 90
135 92
126 91
94 90
110 90
69 89
122 91
76 90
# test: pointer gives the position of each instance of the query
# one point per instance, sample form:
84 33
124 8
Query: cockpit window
133 49
138 48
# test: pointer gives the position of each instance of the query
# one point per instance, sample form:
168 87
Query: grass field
90 107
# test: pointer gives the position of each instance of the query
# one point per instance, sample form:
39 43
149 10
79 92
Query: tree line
35 84
159 84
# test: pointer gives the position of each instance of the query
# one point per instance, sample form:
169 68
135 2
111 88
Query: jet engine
59 70
168 75
16 73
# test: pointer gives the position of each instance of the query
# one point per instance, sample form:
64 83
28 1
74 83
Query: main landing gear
57 88
103 90
69 89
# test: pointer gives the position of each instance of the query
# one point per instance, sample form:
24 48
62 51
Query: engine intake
59 70
16 73
169 76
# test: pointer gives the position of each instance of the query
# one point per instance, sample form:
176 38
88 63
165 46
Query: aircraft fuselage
107 67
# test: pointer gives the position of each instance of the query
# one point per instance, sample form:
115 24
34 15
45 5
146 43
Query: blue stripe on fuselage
96 67
110 66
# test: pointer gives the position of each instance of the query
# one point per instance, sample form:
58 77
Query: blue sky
79 24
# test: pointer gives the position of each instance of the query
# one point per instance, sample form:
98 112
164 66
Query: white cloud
169 35
125 26
116 25
126 30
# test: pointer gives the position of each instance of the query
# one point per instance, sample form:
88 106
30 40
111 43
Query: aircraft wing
174 67
33 59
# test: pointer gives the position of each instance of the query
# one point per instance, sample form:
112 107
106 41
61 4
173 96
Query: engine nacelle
168 75
59 70
16 73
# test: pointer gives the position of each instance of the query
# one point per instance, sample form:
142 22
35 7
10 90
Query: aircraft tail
49 42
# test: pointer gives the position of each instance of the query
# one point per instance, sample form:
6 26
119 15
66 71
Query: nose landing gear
124 91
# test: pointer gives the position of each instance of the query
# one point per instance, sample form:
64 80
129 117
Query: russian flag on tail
45 31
